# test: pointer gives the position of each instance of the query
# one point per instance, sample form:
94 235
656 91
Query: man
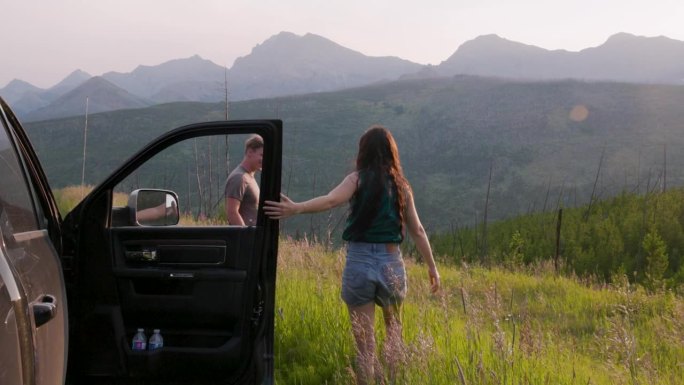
242 190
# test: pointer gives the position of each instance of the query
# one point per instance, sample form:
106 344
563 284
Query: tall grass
487 326
68 197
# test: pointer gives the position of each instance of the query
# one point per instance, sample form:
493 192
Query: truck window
16 207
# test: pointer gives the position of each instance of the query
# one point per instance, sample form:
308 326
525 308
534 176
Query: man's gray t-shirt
242 186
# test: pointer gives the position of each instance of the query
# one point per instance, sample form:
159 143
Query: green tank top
385 227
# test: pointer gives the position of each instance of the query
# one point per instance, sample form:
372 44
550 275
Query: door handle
147 255
44 310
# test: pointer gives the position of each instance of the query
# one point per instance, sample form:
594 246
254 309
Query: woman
382 208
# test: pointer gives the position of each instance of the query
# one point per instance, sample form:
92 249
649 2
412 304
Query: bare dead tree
664 167
227 157
85 142
560 196
593 190
219 193
291 165
486 209
477 241
210 183
187 196
644 216
199 180
311 217
546 197
651 189
460 243
332 228
558 235
531 207
453 231
225 90
542 218
639 171
225 87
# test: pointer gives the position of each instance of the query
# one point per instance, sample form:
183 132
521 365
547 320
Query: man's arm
151 214
233 213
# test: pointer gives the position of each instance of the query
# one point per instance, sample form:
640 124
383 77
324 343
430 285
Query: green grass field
487 326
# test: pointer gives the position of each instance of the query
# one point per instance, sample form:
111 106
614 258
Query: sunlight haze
45 41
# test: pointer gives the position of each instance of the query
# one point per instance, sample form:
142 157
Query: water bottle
156 340
139 340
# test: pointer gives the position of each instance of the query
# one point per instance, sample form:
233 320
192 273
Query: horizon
49 48
203 58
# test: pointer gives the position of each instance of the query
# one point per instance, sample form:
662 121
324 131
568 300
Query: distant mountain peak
142 68
632 49
19 84
491 37
78 72
289 40
193 58
495 42
97 81
620 36
287 64
94 84
621 39
147 81
624 38
489 48
284 35
72 80
623 57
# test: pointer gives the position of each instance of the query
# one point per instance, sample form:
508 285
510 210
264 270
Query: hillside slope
544 141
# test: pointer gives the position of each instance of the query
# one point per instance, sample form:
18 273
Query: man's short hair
254 143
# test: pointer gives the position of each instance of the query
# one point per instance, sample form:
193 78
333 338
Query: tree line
632 236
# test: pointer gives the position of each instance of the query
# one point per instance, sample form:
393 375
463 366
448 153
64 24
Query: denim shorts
373 273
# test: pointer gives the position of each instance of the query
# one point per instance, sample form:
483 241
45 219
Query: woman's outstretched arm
287 208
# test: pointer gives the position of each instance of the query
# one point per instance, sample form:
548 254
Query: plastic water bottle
156 340
139 340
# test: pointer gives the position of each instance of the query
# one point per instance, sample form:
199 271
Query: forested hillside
635 237
531 145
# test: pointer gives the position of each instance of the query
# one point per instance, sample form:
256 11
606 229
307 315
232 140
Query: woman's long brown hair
378 156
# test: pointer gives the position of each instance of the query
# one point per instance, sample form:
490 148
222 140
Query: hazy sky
45 40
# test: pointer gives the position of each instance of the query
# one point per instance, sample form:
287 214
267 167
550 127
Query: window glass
16 208
197 171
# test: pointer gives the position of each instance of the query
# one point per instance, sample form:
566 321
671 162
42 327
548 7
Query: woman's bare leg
363 327
393 350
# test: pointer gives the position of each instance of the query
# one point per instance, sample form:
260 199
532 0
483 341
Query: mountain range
288 64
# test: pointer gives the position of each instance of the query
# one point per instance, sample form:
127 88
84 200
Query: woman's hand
434 279
280 210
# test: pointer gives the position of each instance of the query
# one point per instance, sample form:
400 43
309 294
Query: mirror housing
153 207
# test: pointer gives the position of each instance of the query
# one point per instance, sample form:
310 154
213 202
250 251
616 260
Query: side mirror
150 207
